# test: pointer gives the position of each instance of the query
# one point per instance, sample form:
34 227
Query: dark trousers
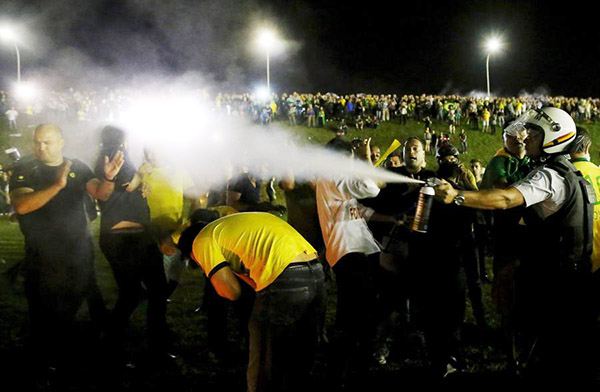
135 259
217 311
284 329
481 232
356 311
438 289
59 277
471 266
559 306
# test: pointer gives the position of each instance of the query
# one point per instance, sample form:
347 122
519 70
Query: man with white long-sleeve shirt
349 249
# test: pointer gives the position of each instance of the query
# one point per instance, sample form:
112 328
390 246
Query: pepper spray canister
423 209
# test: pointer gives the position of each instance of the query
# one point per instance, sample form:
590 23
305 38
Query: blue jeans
284 328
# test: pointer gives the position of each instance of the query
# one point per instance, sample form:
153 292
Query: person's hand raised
364 151
63 174
112 167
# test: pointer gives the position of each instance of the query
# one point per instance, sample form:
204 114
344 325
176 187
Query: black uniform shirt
64 213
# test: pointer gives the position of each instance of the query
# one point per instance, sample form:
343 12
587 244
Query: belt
303 263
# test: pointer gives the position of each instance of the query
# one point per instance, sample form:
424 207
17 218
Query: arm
288 182
377 217
247 279
102 189
25 200
360 188
226 284
364 152
492 199
233 200
136 181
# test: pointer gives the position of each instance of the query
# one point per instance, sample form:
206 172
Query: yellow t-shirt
486 115
591 173
257 244
165 200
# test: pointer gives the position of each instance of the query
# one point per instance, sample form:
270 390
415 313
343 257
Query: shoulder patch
537 176
72 174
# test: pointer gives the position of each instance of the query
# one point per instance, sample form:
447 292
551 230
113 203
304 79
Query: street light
8 35
26 91
492 45
267 40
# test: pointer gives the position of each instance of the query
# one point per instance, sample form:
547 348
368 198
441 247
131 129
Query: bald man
48 193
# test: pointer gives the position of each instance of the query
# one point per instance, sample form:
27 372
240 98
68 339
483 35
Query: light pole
266 40
8 35
492 45
268 74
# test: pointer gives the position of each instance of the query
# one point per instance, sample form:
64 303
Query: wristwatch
459 199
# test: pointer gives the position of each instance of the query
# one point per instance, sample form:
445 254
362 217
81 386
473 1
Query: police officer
559 215
48 194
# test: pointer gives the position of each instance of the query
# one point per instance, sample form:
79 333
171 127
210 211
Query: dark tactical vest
564 240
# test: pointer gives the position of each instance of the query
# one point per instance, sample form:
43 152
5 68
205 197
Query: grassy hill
482 146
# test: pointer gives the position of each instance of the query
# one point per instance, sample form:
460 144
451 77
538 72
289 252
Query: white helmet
558 127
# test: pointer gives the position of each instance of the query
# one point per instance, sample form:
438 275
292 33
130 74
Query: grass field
195 370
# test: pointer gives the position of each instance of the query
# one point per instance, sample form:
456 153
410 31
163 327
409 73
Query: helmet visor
532 119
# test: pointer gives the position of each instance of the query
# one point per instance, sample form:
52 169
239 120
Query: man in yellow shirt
580 157
485 117
166 188
273 258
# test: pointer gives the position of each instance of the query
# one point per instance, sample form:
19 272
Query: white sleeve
359 188
535 188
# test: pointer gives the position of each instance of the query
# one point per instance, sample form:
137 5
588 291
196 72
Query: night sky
396 47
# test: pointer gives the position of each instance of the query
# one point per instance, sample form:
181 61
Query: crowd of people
314 110
354 231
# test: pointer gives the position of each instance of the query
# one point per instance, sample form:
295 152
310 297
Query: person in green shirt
509 165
